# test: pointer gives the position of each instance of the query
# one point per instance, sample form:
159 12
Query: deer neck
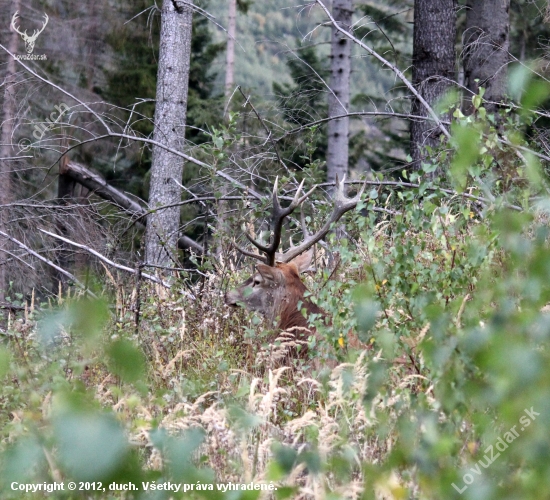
290 316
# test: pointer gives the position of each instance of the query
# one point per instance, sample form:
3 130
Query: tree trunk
223 206
6 151
65 196
230 53
338 99
486 43
433 69
170 114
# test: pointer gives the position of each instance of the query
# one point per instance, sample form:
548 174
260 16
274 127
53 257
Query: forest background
123 208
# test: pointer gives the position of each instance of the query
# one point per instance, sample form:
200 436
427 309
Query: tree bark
486 43
170 115
338 99
6 151
433 69
230 52
65 196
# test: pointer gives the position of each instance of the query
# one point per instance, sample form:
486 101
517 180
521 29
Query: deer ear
267 272
303 261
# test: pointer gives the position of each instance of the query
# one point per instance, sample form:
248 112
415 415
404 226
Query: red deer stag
275 290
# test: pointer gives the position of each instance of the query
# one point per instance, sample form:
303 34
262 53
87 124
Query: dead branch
111 133
95 183
385 114
394 68
101 257
46 261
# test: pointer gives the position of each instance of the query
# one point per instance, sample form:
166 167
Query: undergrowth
444 396
176 392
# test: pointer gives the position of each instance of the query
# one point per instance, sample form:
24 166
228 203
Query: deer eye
256 282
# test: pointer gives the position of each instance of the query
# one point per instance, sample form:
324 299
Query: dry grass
212 369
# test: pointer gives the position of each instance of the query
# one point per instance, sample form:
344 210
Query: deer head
29 40
275 289
274 292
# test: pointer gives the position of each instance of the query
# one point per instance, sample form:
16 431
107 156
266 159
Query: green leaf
22 460
178 452
91 446
126 360
366 310
466 142
520 76
286 457
536 93
5 359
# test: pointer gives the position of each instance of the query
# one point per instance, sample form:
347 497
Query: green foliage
430 380
126 360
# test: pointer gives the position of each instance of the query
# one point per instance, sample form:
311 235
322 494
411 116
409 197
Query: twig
111 133
387 114
154 279
396 70
46 261
269 134
412 185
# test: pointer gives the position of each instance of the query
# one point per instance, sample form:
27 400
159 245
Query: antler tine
274 195
278 216
342 199
342 204
306 196
249 254
257 244
279 212
277 219
13 19
46 19
296 200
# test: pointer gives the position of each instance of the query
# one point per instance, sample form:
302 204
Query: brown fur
290 316
275 292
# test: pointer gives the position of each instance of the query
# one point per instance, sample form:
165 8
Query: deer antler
16 29
342 204
278 217
37 32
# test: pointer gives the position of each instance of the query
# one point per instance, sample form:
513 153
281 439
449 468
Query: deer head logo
29 40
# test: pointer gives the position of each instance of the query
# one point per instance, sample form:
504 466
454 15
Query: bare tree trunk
170 114
230 52
433 68
6 150
338 99
66 187
223 206
486 43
